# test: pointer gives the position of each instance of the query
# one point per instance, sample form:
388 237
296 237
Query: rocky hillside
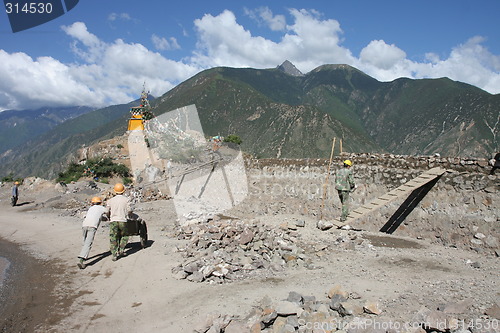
281 113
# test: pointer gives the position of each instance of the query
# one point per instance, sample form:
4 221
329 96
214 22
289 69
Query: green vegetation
10 178
127 180
233 138
279 115
100 169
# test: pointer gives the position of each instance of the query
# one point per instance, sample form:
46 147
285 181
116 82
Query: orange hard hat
119 188
96 200
16 183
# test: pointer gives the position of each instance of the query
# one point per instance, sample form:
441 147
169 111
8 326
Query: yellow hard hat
348 162
119 188
16 183
96 200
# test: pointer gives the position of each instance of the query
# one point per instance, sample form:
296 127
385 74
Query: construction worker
119 209
344 183
15 194
93 218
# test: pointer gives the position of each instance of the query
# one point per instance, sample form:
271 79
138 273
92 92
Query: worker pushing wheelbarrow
136 226
123 223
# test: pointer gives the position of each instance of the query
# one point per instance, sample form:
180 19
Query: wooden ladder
413 191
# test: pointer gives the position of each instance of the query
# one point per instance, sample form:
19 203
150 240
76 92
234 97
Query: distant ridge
19 126
289 69
281 115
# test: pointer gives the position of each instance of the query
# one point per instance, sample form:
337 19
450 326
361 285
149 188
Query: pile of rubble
224 250
139 194
347 312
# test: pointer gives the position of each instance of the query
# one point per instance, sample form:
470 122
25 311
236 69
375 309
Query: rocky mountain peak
289 69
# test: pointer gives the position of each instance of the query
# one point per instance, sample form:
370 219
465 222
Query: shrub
102 168
233 138
9 178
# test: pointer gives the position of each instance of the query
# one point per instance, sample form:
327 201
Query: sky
101 53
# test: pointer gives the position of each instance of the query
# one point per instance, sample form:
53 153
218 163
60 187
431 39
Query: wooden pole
326 180
341 151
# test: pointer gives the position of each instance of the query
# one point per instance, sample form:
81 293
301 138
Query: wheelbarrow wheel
143 233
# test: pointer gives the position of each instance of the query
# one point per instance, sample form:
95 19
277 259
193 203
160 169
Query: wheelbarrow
137 227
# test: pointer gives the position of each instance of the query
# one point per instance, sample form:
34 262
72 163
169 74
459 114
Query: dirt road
139 292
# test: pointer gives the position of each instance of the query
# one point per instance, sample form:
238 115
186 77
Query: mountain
19 126
280 114
283 115
50 152
268 109
289 68
434 115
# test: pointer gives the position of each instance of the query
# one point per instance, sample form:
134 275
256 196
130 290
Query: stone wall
462 209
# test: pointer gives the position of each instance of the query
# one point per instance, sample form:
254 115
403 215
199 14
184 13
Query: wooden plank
378 202
362 210
392 195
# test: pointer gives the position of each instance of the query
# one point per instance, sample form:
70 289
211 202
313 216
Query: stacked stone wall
462 209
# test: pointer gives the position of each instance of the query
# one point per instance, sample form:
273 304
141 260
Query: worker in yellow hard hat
344 184
119 209
15 194
93 218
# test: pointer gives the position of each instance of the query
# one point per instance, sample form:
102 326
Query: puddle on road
398 243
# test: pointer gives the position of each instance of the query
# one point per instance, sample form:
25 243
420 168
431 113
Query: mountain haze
49 153
19 126
281 113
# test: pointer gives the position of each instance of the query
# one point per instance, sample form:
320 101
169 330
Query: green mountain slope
19 126
269 110
404 116
296 116
48 154
427 116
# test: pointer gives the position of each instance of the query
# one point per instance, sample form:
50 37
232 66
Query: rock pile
139 194
224 250
344 311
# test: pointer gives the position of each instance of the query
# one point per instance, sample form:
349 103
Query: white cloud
470 62
308 43
382 55
161 43
119 16
223 42
314 41
311 41
110 73
263 15
31 83
94 47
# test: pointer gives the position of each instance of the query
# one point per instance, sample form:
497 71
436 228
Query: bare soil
140 293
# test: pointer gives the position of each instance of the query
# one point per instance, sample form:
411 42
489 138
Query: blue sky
101 52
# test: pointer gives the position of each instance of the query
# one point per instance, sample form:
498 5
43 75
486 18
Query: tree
233 138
